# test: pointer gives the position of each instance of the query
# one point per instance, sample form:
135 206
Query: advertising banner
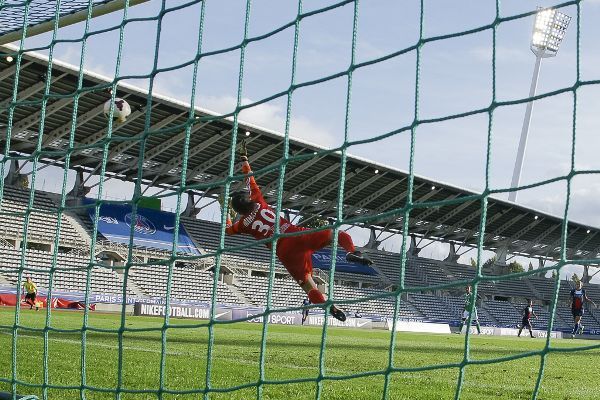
41 302
319 320
536 333
296 319
418 326
151 228
181 311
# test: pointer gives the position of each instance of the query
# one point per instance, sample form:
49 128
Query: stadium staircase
76 223
533 289
133 287
487 315
240 295
385 282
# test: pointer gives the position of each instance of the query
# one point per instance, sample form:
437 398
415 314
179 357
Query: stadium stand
504 312
42 219
500 305
187 284
286 293
69 276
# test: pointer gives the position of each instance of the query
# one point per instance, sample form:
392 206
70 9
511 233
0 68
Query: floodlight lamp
548 31
376 171
9 59
247 133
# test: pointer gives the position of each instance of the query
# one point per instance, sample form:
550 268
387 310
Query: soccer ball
121 112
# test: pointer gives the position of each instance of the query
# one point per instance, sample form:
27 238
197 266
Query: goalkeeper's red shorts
295 252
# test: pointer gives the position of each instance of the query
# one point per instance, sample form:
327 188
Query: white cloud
72 55
271 116
505 54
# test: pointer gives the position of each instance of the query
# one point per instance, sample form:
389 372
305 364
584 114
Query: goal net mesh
18 15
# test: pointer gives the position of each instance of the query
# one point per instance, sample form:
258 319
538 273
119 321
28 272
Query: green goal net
91 355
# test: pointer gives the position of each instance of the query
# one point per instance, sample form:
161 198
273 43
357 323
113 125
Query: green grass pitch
291 353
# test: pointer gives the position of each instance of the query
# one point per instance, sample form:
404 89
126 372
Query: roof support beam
34 118
323 192
124 146
474 230
167 144
65 129
367 200
388 204
454 212
541 238
251 158
176 162
204 166
558 242
581 244
526 229
498 231
101 134
425 214
220 157
449 231
362 185
292 173
30 91
306 184
10 71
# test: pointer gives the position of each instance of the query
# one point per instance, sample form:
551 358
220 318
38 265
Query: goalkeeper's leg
317 240
316 297
460 326
296 256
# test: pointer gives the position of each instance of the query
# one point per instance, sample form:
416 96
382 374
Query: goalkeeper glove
243 151
230 211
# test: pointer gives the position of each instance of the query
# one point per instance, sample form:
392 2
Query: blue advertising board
322 260
151 228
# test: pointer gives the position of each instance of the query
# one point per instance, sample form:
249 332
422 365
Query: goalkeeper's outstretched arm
255 192
230 227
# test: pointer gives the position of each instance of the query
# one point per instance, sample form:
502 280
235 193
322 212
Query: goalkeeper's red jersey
260 223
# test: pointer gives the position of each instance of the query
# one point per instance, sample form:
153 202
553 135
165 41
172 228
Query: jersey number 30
269 216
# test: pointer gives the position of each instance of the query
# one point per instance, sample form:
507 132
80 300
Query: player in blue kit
578 299
528 313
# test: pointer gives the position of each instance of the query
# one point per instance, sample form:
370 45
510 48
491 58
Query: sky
456 75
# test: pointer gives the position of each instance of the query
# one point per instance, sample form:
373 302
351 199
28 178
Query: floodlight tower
548 32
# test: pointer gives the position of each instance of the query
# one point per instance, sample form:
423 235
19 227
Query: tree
575 278
530 267
587 277
515 267
489 262
473 263
312 221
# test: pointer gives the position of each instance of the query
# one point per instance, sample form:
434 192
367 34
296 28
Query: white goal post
71 16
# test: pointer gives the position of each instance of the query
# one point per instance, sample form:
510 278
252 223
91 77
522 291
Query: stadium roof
311 182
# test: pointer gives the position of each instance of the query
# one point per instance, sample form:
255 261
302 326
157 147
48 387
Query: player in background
528 313
30 290
305 303
468 299
257 218
578 299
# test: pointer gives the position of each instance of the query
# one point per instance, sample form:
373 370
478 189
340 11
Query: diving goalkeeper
257 218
